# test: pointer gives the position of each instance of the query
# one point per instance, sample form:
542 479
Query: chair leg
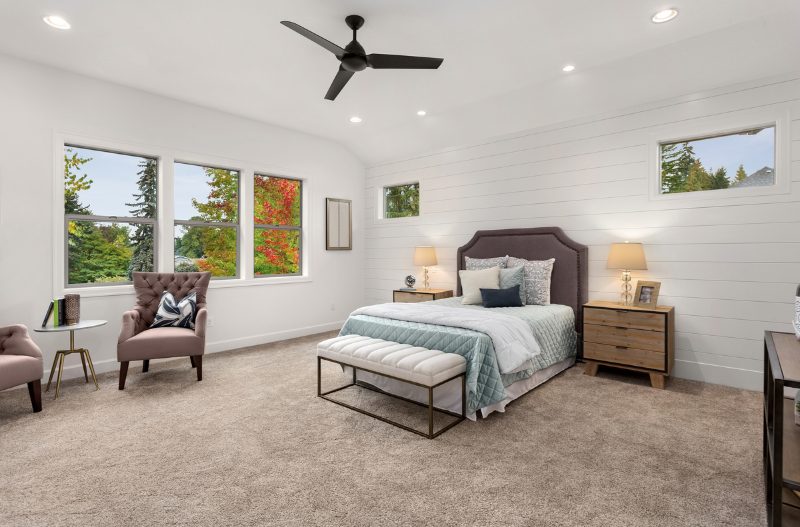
145 366
35 391
192 360
198 361
123 374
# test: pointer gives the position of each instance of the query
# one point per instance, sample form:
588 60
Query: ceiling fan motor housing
355 59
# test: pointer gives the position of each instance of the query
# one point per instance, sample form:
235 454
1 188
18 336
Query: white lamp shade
626 256
425 256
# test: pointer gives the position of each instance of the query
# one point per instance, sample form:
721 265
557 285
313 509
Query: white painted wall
729 266
36 101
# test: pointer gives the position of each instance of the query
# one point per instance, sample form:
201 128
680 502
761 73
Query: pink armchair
138 342
21 362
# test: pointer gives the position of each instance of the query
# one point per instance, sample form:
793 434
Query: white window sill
127 289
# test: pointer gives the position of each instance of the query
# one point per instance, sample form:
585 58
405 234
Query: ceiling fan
353 58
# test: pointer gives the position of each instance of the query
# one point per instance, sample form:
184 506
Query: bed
556 328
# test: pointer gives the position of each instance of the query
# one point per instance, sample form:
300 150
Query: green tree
219 243
740 174
74 182
698 178
720 179
676 161
144 206
402 201
102 253
191 243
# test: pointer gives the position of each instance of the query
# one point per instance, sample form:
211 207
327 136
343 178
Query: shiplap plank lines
729 265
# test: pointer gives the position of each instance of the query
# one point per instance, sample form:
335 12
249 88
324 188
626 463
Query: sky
753 151
114 179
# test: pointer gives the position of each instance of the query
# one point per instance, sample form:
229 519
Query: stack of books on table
56 312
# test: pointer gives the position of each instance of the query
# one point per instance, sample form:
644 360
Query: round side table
83 324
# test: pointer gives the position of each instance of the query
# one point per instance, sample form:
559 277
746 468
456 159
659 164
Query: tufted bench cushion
409 363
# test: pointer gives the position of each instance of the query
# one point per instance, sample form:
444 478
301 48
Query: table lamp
628 257
425 256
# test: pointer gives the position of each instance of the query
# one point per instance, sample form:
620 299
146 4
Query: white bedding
514 343
448 396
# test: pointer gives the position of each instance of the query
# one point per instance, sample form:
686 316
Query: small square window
401 201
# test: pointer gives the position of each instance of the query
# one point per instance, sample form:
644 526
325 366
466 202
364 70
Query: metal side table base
60 354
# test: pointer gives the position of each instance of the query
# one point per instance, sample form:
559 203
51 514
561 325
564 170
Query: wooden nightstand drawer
410 298
420 295
624 318
651 360
622 336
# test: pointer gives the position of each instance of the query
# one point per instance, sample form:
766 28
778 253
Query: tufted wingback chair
138 342
21 362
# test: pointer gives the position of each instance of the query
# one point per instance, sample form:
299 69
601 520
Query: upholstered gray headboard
569 285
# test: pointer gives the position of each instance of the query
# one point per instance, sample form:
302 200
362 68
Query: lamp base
425 284
626 298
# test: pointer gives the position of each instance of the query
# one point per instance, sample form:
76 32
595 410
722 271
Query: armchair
138 342
21 362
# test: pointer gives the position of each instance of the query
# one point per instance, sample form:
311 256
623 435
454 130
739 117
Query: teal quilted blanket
552 326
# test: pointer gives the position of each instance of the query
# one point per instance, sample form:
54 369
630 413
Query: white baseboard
266 338
107 365
724 375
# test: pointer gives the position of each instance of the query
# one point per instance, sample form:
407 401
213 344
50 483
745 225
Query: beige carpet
252 445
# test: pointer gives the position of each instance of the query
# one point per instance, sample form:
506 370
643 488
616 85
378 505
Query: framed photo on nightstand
646 294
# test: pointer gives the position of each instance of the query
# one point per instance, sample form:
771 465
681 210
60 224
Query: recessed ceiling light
568 68
421 112
665 15
355 119
56 21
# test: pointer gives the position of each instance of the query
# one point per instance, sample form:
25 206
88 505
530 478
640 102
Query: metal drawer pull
622 347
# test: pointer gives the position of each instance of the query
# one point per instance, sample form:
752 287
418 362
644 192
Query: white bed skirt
448 396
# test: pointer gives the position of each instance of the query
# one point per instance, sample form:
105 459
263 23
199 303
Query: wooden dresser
421 295
628 337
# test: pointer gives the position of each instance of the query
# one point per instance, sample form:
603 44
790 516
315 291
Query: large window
737 160
206 219
401 201
277 219
110 215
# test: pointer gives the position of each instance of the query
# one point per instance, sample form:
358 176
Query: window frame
264 226
105 219
720 125
225 224
165 226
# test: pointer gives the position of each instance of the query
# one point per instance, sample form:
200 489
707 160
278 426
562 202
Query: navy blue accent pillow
501 297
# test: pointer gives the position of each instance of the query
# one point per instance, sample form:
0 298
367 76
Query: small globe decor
410 281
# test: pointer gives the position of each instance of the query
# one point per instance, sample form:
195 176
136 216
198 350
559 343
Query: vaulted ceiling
501 73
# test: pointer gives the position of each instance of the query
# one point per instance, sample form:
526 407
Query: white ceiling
501 73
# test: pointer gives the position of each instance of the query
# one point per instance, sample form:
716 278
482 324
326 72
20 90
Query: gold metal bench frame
430 434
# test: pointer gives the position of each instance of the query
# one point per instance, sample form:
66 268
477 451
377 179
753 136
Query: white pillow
473 281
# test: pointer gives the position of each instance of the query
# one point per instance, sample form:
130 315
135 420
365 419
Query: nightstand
421 295
633 338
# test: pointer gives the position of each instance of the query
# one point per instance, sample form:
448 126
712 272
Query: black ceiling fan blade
378 61
338 83
327 44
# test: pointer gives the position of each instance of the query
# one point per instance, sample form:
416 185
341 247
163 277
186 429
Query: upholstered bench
414 365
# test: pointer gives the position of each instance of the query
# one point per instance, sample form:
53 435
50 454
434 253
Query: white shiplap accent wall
729 266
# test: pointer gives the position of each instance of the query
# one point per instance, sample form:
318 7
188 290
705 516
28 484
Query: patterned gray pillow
476 264
512 277
537 279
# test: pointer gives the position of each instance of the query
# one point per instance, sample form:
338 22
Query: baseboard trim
107 365
266 338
